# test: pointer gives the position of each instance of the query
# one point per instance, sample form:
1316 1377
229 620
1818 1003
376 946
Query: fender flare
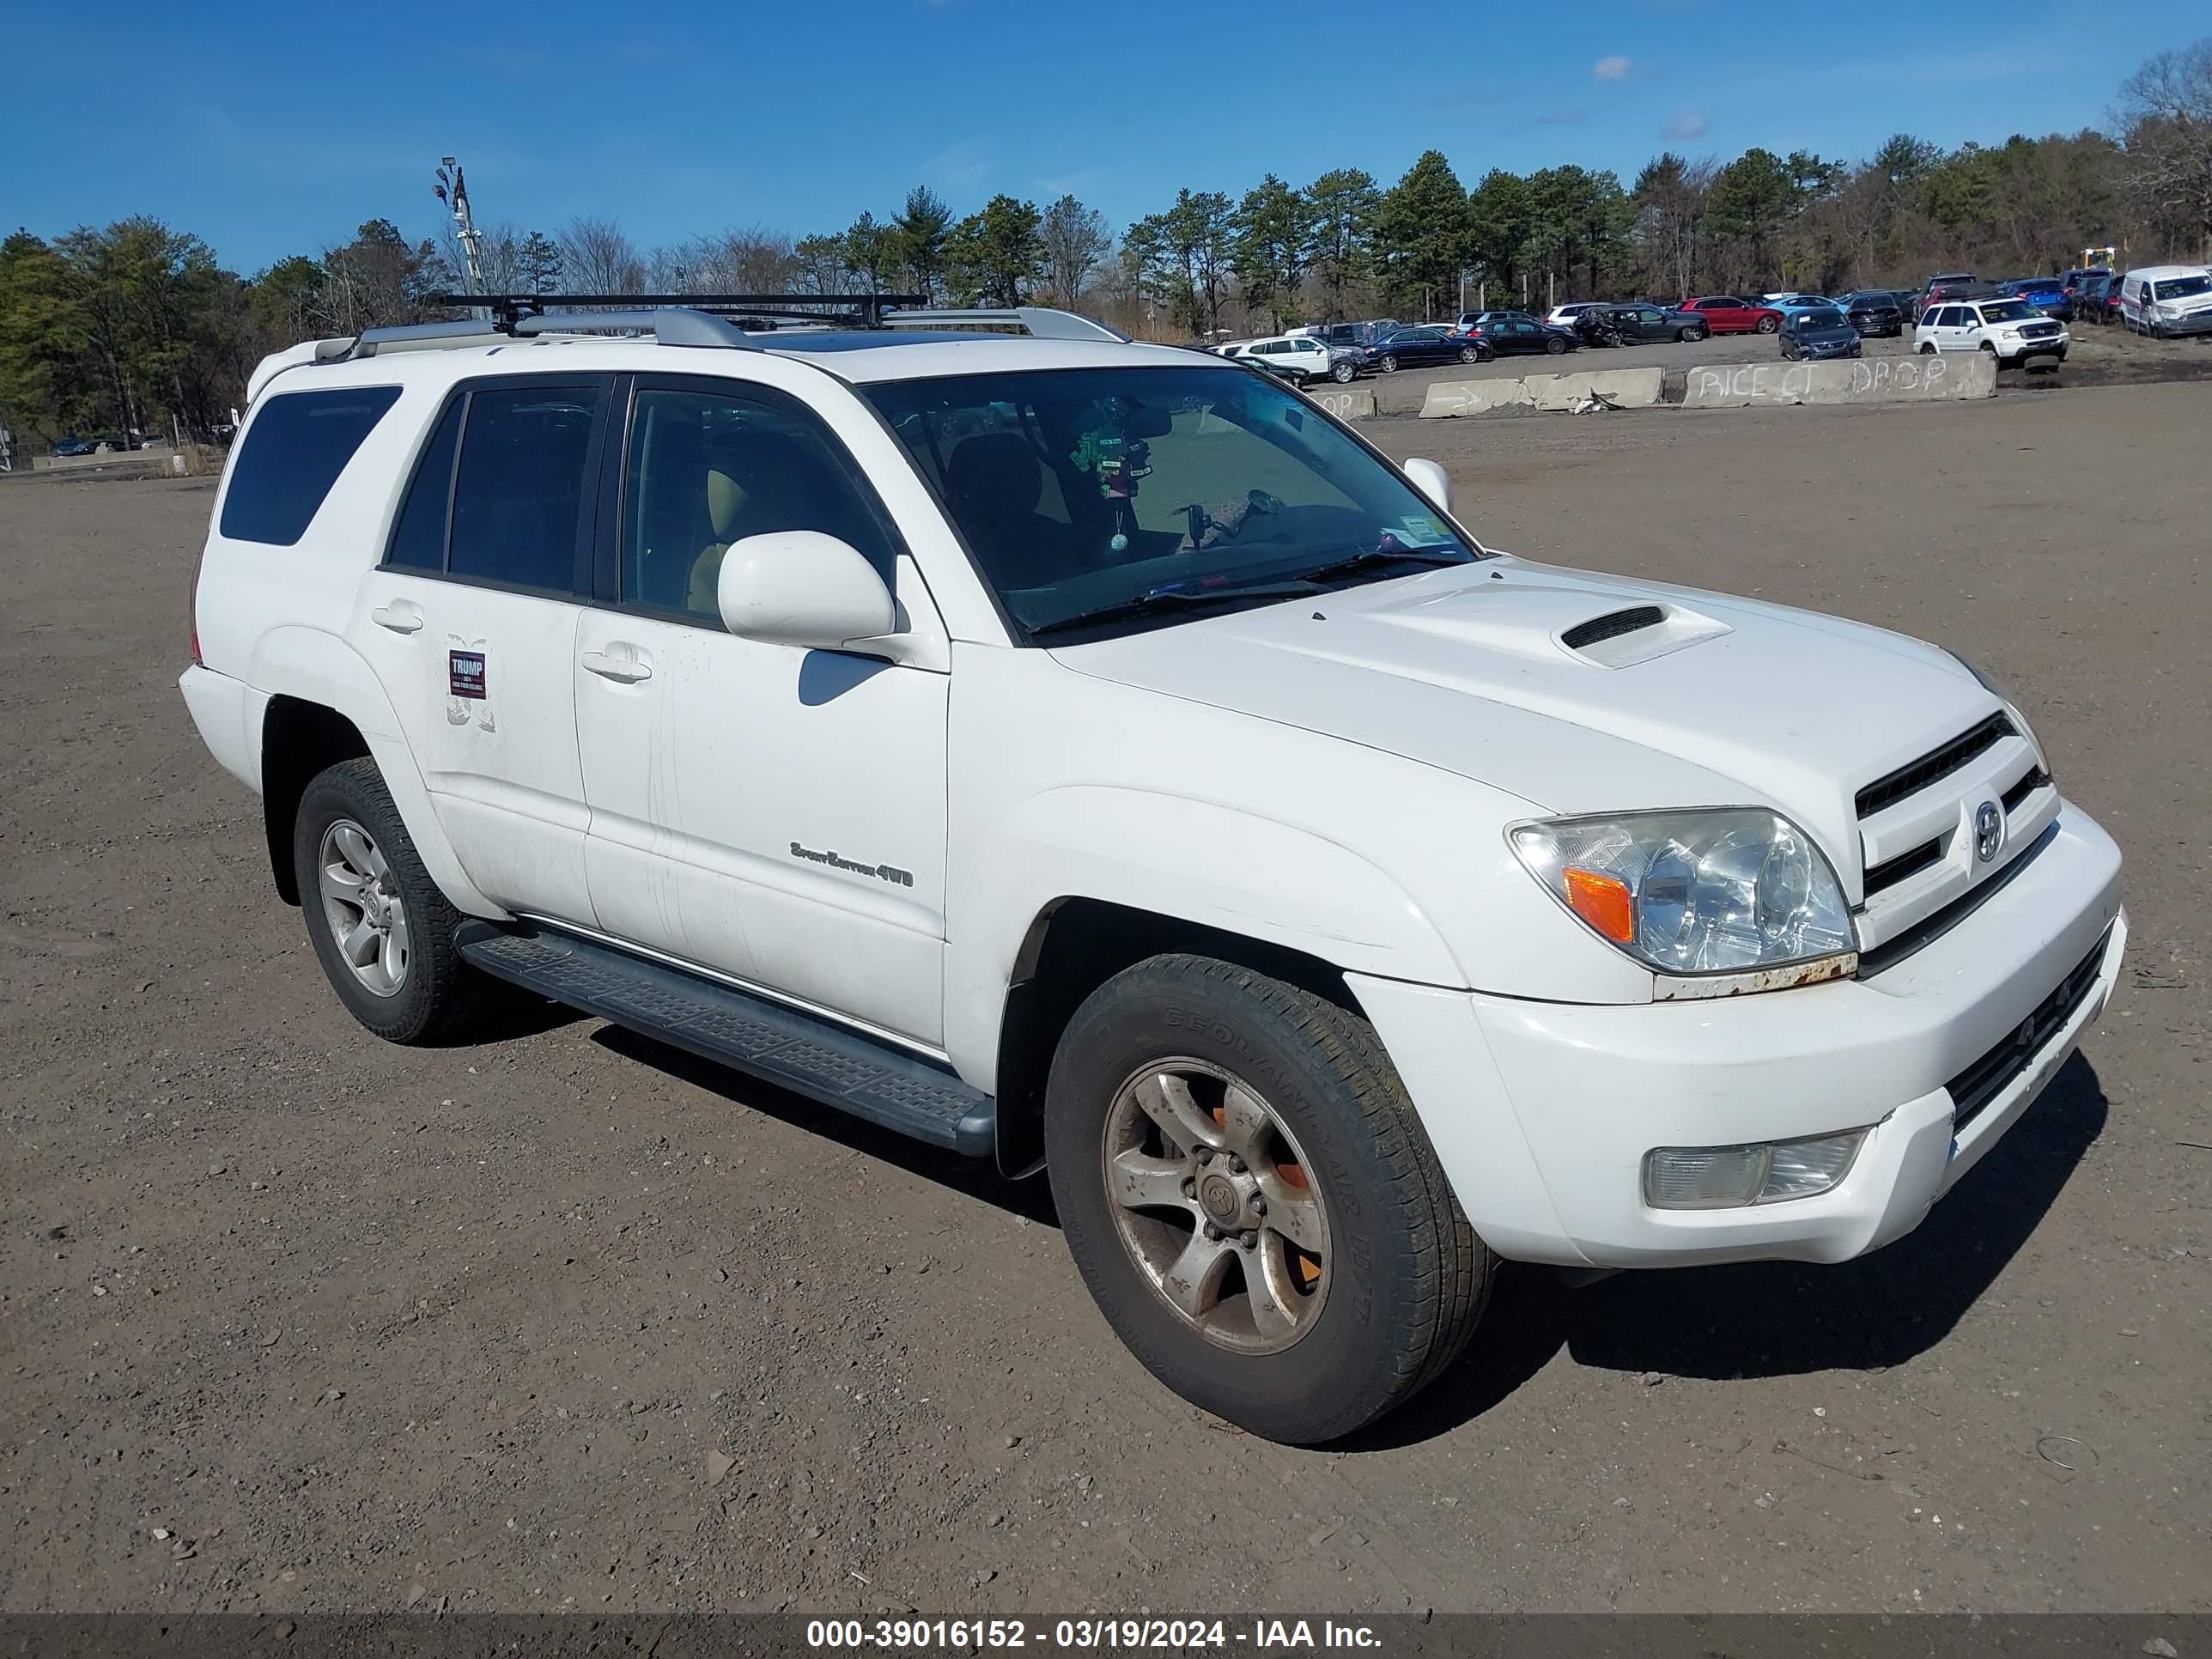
1188 859
320 667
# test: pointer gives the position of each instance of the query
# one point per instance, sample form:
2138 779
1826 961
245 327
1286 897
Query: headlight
1719 890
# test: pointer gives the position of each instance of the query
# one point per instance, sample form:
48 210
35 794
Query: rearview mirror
1432 480
802 587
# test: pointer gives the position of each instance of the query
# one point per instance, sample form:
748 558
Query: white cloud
959 166
1613 69
1691 124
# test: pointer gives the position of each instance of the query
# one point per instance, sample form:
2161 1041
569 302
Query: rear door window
293 454
520 492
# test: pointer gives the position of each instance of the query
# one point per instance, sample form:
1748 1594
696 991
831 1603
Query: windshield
2007 311
1821 317
2181 287
1080 488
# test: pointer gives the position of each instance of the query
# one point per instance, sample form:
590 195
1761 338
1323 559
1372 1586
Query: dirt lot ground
2098 357
292 1320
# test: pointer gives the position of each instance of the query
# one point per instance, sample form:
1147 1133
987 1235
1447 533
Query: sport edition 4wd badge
891 873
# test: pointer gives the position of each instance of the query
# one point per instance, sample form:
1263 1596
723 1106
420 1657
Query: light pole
452 191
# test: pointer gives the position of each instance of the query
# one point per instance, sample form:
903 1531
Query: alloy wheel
362 907
1216 1206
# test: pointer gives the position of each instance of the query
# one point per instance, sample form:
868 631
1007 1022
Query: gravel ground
290 1320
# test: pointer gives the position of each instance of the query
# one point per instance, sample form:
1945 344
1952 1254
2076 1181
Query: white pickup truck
1094 757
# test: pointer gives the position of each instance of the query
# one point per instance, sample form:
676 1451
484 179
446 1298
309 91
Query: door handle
401 617
625 664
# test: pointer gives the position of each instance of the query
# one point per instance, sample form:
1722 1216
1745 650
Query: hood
1531 680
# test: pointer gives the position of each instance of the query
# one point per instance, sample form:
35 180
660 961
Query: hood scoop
1546 622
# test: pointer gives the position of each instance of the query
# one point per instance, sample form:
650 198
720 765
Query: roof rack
533 313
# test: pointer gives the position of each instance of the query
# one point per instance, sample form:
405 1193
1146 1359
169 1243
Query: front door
772 813
470 624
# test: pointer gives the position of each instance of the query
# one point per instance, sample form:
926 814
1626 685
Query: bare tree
2166 109
596 258
1075 240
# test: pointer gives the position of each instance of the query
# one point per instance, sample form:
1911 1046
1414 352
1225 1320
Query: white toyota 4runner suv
1094 757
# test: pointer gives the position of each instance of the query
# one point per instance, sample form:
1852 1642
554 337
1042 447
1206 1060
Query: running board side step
808 1056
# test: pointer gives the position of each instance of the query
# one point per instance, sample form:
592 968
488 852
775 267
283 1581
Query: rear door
772 813
470 622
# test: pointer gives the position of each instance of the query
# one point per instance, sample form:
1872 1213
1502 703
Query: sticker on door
468 685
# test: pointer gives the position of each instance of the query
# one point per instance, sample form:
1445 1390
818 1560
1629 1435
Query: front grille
2030 781
1987 1078
2039 331
1911 778
1911 862
1612 626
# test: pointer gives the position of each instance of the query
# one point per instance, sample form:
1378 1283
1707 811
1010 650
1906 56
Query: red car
1726 314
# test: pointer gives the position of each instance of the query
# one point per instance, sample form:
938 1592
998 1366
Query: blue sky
270 132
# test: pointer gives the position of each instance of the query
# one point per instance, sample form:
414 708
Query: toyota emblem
1989 830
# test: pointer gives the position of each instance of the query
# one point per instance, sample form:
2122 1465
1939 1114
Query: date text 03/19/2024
1091 1633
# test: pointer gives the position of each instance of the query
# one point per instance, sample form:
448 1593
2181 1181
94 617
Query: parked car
1327 906
1566 315
2096 295
72 446
1725 313
2048 295
2166 301
1642 323
1788 303
1872 311
1426 343
1816 331
1354 336
2011 330
1511 332
1298 358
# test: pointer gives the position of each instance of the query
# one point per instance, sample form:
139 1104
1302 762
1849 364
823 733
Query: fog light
1731 1177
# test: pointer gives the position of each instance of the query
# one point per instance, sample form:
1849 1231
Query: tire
1343 373
427 992
1857 350
1554 346
1769 325
1470 354
1691 336
1322 1097
1387 365
1928 347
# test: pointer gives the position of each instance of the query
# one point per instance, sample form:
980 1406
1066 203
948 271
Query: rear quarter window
292 454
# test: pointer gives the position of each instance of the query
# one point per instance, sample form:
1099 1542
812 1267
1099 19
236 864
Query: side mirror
1432 480
802 587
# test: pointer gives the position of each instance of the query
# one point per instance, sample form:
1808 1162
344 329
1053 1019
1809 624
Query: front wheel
1252 1201
1387 365
1343 373
1691 336
1928 347
1769 325
1470 354
380 928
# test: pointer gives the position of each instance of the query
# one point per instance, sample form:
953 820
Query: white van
2166 301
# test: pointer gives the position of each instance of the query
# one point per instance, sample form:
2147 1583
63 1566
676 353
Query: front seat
995 481
767 482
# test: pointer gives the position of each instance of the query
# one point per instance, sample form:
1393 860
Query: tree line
138 326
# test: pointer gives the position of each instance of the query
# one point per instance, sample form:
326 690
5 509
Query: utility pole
453 192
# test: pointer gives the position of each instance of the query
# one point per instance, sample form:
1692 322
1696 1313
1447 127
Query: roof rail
674 326
850 310
1041 322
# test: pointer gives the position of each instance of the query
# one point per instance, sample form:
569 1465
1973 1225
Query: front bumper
2194 322
1541 1113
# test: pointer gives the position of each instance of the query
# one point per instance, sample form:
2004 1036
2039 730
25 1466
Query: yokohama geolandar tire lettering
1189 1094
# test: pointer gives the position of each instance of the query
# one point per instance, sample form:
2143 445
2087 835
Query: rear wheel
1928 347
1555 346
380 928
1252 1201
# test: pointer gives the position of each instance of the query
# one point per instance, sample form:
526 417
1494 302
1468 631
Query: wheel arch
1075 945
326 705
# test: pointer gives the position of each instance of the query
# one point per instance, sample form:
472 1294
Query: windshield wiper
1372 557
1153 601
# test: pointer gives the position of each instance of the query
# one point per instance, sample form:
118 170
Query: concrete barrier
1629 388
1855 380
1350 403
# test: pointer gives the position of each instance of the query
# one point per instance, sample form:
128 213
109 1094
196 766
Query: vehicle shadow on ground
976 1177
1776 1319
520 1016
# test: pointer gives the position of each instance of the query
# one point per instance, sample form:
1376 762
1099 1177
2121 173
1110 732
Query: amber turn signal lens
1604 901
